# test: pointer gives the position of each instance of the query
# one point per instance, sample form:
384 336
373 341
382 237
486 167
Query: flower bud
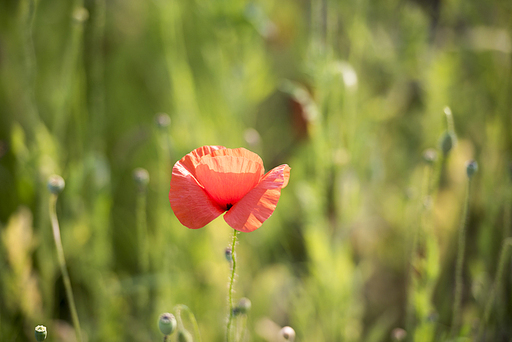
398 334
430 155
243 307
471 168
141 177
162 120
56 184
447 142
40 333
184 336
287 333
167 323
80 15
228 254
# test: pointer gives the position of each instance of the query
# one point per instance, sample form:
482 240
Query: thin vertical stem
192 318
142 230
459 263
231 281
418 230
63 267
497 282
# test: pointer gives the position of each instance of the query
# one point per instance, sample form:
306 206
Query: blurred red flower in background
213 179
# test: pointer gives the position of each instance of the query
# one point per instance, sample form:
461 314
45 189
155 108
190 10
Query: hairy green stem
460 263
63 267
231 281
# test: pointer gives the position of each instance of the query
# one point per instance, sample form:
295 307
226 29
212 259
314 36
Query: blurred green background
348 93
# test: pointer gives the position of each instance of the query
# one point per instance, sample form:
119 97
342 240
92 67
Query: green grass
349 94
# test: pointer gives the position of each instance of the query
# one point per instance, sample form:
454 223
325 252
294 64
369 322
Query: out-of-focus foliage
348 93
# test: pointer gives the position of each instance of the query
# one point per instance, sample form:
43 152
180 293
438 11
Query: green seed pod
184 336
141 177
56 184
167 323
471 168
40 333
447 142
287 333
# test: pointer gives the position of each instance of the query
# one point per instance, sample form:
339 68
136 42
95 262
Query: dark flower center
228 206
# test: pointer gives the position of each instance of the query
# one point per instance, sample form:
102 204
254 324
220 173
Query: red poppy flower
213 179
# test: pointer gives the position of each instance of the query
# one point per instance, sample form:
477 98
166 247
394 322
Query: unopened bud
56 184
287 333
243 307
471 168
167 323
162 120
228 254
141 177
430 155
398 334
447 142
80 14
40 333
184 336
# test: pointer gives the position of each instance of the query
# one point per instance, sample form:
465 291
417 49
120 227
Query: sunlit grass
349 94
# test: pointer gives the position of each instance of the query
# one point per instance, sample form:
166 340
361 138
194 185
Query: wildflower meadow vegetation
349 164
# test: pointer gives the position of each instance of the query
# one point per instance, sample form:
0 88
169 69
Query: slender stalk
192 318
63 267
417 231
496 285
142 230
231 281
459 263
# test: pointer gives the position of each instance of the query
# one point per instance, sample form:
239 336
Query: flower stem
231 281
191 316
497 282
460 263
63 268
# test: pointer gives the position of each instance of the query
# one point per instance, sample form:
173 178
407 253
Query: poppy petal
238 152
257 206
191 160
228 178
189 201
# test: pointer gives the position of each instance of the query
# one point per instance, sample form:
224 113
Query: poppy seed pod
184 336
447 142
471 168
167 323
56 184
40 333
141 176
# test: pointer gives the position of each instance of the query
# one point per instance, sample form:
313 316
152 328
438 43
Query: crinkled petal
191 160
238 152
254 208
227 178
189 201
